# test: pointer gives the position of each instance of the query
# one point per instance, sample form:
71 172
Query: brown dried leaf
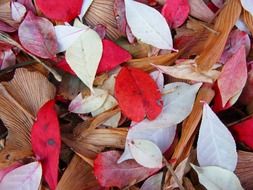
23 95
101 12
145 63
216 42
244 169
190 124
5 13
78 175
248 19
96 140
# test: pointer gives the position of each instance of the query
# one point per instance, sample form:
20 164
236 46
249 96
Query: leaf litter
125 94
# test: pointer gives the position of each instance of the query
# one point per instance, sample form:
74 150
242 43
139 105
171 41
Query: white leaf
178 101
89 103
148 25
84 55
157 76
146 153
66 36
188 70
153 183
85 7
216 145
240 24
247 5
177 105
17 11
109 103
161 135
216 178
26 177
113 121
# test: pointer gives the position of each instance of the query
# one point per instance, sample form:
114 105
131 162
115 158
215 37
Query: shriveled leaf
200 10
154 29
153 183
247 5
7 59
232 79
24 177
84 54
37 35
88 103
60 10
243 132
146 153
137 94
216 178
85 6
66 36
215 146
78 175
17 11
188 70
108 60
46 142
176 12
111 174
180 171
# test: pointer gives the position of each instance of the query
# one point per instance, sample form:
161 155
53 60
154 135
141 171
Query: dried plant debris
126 94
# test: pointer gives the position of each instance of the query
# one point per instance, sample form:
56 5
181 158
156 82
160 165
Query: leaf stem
5 38
173 174
9 69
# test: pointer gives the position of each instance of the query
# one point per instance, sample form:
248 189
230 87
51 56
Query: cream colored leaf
146 153
67 35
216 178
148 25
88 103
109 103
188 71
247 5
84 55
216 145
85 7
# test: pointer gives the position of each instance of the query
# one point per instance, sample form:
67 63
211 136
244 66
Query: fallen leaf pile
126 94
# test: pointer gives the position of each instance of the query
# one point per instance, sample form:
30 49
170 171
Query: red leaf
243 132
60 10
232 80
111 174
176 12
46 142
37 35
236 40
137 94
109 61
63 65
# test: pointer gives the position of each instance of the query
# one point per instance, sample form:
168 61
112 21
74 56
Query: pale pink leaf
153 183
17 11
24 177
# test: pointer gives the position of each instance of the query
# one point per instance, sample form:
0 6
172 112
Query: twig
173 174
9 69
5 38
